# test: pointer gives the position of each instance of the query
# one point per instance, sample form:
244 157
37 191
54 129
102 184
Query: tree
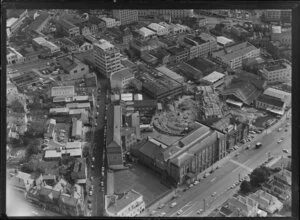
27 168
17 106
33 148
245 187
259 176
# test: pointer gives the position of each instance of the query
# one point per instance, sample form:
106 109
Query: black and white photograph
148 112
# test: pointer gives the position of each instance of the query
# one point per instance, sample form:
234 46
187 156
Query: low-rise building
50 129
215 79
266 201
158 29
42 42
82 44
283 95
74 67
224 41
76 129
79 173
128 204
170 74
67 28
269 103
15 18
63 91
146 32
40 22
20 181
278 189
242 206
25 80
13 56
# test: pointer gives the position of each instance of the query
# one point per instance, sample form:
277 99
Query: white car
199 211
196 182
191 185
163 214
214 194
173 204
90 192
278 142
180 212
102 169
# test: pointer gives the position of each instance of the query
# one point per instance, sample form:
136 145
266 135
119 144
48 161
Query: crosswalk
241 165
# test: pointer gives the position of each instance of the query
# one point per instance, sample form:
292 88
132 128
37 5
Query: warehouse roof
213 77
271 100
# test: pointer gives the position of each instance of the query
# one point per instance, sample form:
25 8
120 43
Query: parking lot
140 179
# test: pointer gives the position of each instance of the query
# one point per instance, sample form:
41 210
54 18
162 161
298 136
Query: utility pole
204 205
239 176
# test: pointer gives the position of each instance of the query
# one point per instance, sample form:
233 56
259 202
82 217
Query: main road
98 151
219 182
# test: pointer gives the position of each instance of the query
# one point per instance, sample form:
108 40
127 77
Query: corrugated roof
195 135
271 100
244 91
213 77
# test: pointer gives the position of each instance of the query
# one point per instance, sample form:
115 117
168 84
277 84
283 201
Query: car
191 185
214 194
102 189
89 201
248 147
279 129
185 189
173 204
102 183
90 192
180 212
196 182
199 211
285 151
206 175
92 166
286 130
161 206
93 159
90 206
102 169
162 214
278 142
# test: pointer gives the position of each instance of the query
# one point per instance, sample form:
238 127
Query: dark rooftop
38 20
271 100
176 50
202 64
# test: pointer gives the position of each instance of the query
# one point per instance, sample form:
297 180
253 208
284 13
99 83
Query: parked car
199 211
214 194
180 212
173 204
196 182
191 185
285 151
161 206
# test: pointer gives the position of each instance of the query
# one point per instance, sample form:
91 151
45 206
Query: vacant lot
140 179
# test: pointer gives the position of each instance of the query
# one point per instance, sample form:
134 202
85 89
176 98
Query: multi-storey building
179 54
277 71
126 16
111 22
158 29
270 103
278 15
174 13
234 55
107 58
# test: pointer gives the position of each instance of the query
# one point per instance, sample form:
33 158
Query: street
99 145
223 178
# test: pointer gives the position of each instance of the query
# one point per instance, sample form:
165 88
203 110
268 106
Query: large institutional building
126 16
107 58
175 13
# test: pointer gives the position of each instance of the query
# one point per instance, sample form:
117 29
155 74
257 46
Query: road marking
241 165
213 179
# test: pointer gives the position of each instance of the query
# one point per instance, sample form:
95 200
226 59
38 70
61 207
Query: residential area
169 112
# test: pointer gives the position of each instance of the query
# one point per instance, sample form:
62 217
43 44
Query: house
128 204
121 79
40 22
21 181
242 206
73 67
277 93
266 201
284 176
111 22
278 189
82 44
67 44
13 56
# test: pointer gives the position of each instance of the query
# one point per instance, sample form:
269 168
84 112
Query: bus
258 145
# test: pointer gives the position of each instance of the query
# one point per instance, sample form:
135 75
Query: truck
258 145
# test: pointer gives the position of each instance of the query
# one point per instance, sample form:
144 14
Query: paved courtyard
140 179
